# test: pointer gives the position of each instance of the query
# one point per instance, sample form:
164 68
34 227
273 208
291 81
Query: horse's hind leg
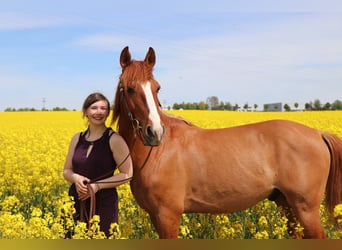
307 212
309 218
280 200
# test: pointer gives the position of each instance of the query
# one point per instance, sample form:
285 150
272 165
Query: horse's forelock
136 72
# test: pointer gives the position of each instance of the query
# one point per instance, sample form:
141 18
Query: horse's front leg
166 223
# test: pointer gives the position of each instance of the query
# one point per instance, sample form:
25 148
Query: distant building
273 107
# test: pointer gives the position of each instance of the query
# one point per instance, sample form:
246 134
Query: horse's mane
178 118
116 106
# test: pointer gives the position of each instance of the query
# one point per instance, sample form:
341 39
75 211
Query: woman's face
98 112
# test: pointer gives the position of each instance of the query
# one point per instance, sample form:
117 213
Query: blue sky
252 52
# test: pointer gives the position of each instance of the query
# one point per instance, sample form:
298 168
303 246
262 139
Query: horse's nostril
149 132
153 137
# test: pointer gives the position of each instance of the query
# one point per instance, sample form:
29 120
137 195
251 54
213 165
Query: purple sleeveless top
99 164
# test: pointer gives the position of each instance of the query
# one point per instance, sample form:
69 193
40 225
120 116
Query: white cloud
23 20
106 41
116 42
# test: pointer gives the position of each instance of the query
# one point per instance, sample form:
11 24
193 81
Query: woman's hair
92 98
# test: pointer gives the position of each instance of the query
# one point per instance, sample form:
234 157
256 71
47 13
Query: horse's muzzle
153 137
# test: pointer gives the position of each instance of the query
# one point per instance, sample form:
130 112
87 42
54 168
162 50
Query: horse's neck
134 141
138 151
126 131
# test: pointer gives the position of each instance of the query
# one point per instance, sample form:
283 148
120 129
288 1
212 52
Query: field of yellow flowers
33 194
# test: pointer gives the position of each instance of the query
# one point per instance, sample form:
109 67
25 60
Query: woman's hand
81 186
94 187
83 191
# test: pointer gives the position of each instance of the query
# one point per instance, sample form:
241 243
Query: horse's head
136 95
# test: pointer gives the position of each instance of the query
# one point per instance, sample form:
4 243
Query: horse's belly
224 202
230 187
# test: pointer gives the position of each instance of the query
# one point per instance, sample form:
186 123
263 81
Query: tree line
213 103
33 109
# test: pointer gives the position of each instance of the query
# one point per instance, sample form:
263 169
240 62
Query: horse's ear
150 58
125 57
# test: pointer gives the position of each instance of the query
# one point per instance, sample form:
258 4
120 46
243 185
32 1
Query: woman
92 158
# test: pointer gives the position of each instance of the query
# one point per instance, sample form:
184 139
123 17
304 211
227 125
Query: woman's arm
69 174
124 162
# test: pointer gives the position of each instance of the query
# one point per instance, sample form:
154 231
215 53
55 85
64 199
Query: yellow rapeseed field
33 194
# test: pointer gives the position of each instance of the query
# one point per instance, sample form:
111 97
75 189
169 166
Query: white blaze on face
152 107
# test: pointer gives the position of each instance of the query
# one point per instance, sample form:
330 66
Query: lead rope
92 210
84 217
83 213
136 130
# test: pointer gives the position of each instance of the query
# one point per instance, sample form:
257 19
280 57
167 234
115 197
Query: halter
137 128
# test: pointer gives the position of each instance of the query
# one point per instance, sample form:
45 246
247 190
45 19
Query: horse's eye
158 89
130 90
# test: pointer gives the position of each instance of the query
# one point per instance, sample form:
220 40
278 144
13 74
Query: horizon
251 107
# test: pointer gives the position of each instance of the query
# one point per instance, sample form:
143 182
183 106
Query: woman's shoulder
113 136
77 135
75 138
115 139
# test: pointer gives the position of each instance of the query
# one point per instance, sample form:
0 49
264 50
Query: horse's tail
334 186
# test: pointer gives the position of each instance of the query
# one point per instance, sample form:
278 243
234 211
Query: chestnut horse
180 168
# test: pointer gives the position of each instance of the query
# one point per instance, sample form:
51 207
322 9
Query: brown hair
92 98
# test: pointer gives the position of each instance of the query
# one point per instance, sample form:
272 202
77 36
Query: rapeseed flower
33 193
